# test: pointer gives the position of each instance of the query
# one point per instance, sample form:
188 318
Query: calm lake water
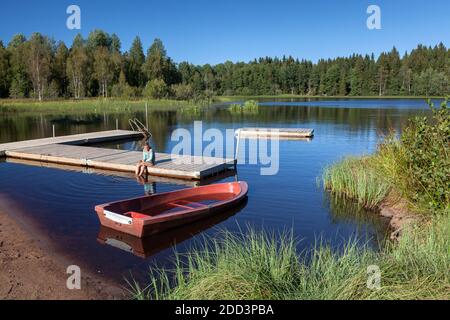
61 201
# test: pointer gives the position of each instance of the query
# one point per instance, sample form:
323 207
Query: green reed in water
94 105
415 167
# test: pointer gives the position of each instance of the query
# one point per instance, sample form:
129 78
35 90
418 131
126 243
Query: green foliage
358 179
182 91
92 105
249 107
134 61
38 55
427 153
123 90
156 89
258 265
416 167
92 66
103 69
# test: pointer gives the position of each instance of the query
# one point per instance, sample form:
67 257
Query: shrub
126 91
156 89
182 91
426 143
416 167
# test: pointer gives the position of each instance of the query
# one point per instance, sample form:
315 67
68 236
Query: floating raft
278 132
67 151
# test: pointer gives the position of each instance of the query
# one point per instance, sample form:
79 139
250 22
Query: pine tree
135 60
4 71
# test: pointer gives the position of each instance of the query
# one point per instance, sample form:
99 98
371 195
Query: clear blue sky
212 31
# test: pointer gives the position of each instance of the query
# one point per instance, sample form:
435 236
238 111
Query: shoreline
30 269
398 214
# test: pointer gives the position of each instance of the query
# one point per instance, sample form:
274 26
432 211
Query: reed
93 105
259 265
357 178
249 107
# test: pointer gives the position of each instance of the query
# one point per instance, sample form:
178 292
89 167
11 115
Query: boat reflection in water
151 245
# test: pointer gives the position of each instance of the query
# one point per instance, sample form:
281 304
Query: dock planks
76 139
69 150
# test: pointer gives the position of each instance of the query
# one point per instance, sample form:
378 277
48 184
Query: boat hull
126 216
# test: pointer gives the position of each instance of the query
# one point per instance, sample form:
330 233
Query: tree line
40 68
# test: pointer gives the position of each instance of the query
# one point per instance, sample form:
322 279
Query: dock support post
53 129
238 138
146 115
117 124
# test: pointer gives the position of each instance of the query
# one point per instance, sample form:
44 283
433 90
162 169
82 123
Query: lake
60 201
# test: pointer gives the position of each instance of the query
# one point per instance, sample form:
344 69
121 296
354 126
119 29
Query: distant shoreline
288 96
117 104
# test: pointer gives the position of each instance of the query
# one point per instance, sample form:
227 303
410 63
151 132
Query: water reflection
344 210
21 126
149 246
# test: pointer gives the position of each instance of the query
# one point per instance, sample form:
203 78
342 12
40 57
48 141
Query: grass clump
259 265
95 105
249 107
415 167
358 179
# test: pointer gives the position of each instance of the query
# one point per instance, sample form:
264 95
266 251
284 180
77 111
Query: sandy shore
31 270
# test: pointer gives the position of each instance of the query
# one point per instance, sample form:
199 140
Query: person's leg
141 169
136 170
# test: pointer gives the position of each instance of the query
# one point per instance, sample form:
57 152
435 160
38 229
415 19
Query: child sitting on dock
148 159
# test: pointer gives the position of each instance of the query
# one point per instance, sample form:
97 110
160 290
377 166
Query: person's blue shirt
148 156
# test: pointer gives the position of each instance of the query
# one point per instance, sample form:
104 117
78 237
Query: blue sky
211 31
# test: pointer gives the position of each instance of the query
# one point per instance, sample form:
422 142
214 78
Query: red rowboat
148 246
148 215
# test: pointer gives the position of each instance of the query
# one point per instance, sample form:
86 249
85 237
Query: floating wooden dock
70 150
75 139
122 174
277 132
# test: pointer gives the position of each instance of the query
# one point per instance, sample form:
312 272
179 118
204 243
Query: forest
41 68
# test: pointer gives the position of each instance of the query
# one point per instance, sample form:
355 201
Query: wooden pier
76 139
71 150
289 133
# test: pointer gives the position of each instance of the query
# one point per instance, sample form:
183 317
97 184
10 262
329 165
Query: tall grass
93 105
259 265
415 167
357 178
249 107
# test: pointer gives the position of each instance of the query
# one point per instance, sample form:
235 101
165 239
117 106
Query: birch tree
38 57
103 69
76 70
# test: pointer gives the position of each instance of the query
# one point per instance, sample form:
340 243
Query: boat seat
187 204
192 204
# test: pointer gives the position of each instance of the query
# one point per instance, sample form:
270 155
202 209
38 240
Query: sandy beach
30 269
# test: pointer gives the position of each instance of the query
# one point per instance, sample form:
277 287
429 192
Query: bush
426 143
52 91
156 89
416 167
120 90
182 91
